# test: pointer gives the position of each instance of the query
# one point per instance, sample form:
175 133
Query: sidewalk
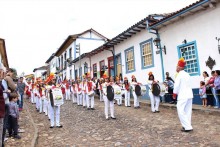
28 134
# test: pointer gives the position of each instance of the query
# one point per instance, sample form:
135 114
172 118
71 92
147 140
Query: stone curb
196 108
35 138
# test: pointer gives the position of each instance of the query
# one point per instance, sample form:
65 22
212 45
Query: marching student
67 86
54 109
84 94
107 102
32 92
90 86
117 82
182 88
100 82
63 90
79 91
126 87
74 93
41 98
136 98
155 100
45 100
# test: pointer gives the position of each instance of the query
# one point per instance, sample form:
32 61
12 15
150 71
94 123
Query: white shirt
182 86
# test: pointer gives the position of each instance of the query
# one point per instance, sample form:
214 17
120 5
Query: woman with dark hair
217 83
208 89
154 100
136 98
211 84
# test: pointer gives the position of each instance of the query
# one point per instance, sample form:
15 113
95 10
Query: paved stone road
133 127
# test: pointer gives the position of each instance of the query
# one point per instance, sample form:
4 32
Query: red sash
89 86
79 89
127 87
67 86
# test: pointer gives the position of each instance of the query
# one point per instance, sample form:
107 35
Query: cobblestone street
133 127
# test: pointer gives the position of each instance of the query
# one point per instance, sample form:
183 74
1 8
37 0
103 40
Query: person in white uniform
154 100
118 83
79 88
84 95
183 92
136 98
67 86
54 109
126 87
90 86
106 101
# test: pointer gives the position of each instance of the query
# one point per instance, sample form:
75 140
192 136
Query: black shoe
84 106
157 111
138 107
51 127
153 111
17 137
113 118
183 130
172 102
88 108
92 108
128 106
60 126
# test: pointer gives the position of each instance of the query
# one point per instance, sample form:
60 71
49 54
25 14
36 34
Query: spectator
9 87
208 89
13 116
217 83
2 115
202 93
211 84
21 89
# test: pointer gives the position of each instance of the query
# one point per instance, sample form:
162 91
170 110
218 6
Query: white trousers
67 94
45 104
127 98
54 111
136 100
101 95
119 101
41 105
84 95
49 110
90 101
32 98
37 102
74 98
108 104
184 109
155 102
79 99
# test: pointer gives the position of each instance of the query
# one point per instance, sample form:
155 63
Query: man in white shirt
182 88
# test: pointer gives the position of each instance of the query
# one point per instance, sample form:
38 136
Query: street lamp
158 45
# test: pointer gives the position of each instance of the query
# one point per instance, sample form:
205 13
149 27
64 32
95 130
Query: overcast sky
34 29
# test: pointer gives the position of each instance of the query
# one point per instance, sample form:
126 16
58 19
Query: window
146 54
189 53
70 53
129 59
70 74
94 70
85 68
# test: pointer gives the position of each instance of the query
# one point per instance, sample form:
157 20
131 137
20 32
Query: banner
57 97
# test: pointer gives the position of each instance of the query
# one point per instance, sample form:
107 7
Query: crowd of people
82 92
11 101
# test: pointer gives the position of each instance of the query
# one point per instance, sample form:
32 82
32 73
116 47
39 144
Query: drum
143 90
162 89
137 90
91 93
110 93
155 89
117 92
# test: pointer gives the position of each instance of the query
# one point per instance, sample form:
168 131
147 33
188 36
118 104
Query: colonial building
153 44
40 72
74 46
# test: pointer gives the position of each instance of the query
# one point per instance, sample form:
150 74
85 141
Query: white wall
202 27
38 73
141 74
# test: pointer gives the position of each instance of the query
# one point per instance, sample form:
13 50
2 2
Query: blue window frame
147 56
130 60
190 54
